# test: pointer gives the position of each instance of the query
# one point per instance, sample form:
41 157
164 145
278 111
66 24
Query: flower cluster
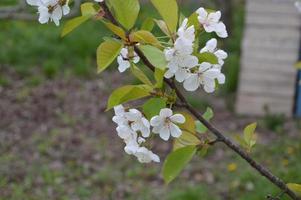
52 10
134 129
125 58
185 66
211 22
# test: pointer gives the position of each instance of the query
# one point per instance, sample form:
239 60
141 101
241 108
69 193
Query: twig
220 137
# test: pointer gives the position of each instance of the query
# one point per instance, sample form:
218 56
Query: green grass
63 171
26 46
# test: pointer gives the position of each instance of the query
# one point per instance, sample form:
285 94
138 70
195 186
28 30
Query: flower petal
177 118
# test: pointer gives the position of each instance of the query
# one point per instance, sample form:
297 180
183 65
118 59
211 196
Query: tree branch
220 137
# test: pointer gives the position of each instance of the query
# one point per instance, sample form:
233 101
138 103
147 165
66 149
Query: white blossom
52 10
138 122
146 156
205 76
99 0
179 58
124 59
211 46
211 22
129 137
119 117
164 124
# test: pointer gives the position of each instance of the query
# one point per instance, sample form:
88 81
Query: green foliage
88 10
128 93
176 161
153 106
207 57
73 24
145 37
115 29
126 12
148 24
193 21
163 27
168 9
139 74
248 140
274 122
154 55
159 77
106 53
186 139
189 124
208 115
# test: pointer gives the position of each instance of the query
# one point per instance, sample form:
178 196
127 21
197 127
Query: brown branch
220 137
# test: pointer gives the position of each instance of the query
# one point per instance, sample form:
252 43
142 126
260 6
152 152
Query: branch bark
220 137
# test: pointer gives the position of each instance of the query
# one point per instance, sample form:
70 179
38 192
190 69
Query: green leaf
208 115
128 93
176 161
145 37
168 9
106 53
126 12
73 24
193 21
162 25
153 106
296 188
148 24
154 55
139 74
88 9
207 57
159 77
116 30
189 124
249 134
186 139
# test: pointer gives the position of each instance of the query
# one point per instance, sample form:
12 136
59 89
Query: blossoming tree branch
174 60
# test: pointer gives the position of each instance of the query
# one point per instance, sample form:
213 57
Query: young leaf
249 134
88 9
153 106
159 77
126 11
207 115
73 24
207 57
106 53
145 37
193 21
154 55
148 24
295 188
139 74
128 93
168 9
186 139
189 124
116 30
176 161
162 25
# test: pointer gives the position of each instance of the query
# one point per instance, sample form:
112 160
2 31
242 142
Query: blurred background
57 143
